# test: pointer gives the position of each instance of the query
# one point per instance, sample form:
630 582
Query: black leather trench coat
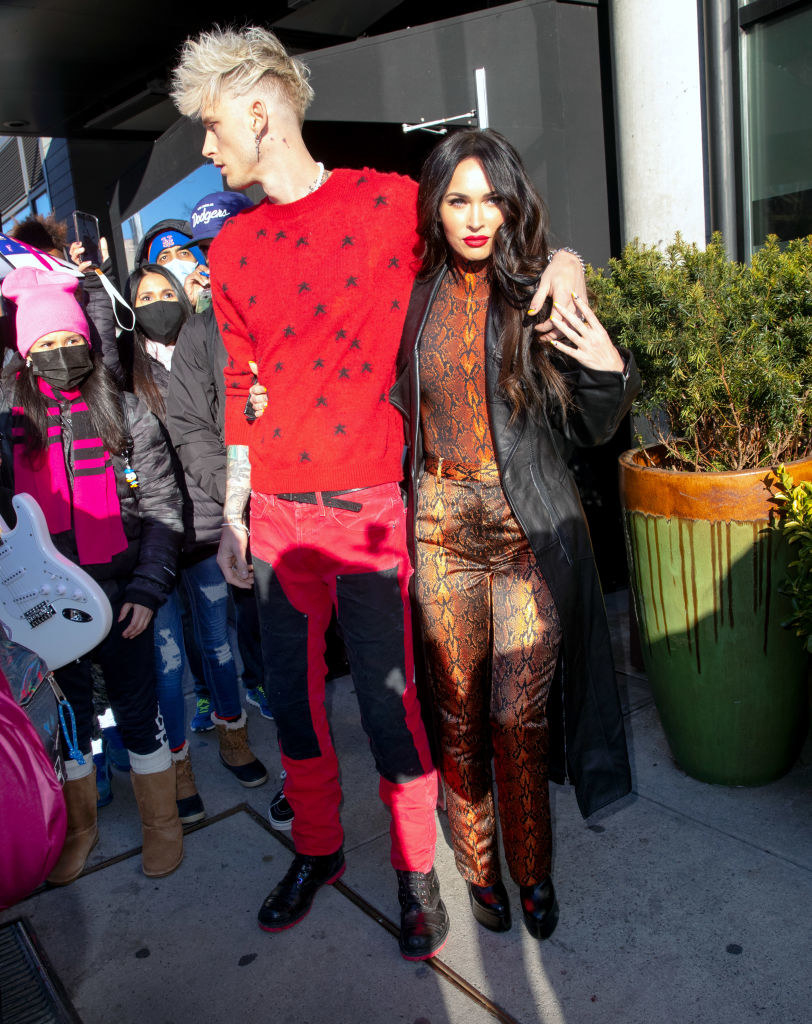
587 742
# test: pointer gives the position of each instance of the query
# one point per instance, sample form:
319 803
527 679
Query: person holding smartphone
86 228
51 236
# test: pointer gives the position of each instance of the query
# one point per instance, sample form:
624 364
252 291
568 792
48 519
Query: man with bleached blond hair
311 286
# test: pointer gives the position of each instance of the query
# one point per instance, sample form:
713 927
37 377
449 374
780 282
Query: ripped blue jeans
206 593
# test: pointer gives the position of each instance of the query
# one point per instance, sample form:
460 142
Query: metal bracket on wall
480 112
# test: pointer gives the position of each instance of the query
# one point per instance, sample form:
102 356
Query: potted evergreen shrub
725 352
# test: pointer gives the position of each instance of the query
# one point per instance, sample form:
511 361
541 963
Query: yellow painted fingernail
575 295
252 366
532 311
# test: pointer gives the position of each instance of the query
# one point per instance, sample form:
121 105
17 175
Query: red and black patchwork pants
309 558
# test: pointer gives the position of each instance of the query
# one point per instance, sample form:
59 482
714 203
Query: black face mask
160 321
63 368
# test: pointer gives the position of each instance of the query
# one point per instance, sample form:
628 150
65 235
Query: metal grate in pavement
30 991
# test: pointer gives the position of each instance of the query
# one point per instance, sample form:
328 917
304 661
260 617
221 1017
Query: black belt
329 498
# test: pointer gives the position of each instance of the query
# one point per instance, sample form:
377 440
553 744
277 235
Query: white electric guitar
47 603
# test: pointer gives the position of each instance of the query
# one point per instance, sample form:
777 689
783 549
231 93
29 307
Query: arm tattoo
238 483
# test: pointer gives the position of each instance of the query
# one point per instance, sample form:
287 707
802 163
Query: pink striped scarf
93 509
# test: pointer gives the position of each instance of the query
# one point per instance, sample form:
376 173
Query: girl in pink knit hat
97 463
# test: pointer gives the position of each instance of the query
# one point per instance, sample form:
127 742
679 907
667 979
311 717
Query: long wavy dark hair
520 254
143 383
99 391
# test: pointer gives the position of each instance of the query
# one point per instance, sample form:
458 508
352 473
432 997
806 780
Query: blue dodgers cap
212 211
166 240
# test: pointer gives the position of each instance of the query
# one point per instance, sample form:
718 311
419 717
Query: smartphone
86 227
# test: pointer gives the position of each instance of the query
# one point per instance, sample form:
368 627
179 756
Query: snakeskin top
454 413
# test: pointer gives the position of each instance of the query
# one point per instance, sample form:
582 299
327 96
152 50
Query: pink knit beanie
45 303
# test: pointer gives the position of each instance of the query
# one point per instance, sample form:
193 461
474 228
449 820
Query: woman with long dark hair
513 629
161 310
97 463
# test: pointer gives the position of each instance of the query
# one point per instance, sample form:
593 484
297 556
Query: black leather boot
540 908
490 905
290 900
424 920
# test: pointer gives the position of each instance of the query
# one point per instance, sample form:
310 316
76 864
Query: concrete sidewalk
683 904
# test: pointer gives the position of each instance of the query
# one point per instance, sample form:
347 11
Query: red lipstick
476 241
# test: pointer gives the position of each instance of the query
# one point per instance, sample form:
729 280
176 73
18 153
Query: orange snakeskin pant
492 636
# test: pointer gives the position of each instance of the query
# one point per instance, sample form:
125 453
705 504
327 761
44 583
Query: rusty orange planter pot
729 682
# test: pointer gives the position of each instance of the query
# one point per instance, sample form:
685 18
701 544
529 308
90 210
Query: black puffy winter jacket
195 405
202 514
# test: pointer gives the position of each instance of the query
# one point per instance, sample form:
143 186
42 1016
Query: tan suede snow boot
162 851
83 833
235 753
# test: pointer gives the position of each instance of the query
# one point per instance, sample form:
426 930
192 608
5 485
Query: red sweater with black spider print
315 292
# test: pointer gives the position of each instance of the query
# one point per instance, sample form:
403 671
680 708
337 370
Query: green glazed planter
729 682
